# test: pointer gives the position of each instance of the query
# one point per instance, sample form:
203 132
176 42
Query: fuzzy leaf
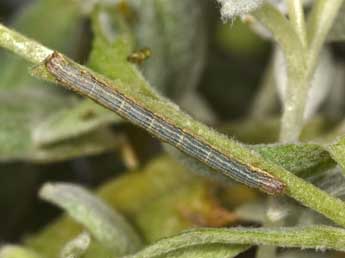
233 8
25 104
107 226
77 246
94 143
316 237
175 33
321 84
301 159
21 111
337 150
110 57
12 251
154 199
63 15
80 119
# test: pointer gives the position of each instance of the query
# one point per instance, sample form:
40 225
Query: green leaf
67 123
64 17
175 31
94 143
12 251
321 84
301 159
337 151
151 198
32 116
76 247
110 57
18 114
106 225
233 8
21 111
316 237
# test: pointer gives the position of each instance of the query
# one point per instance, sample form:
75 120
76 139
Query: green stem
299 77
296 16
297 188
317 237
29 49
302 55
282 31
288 39
320 22
294 103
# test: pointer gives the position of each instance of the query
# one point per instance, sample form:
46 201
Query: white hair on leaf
232 8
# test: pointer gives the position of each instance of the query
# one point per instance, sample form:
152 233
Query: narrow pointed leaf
106 225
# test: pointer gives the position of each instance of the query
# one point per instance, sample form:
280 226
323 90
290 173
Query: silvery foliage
233 8
323 78
321 83
259 28
76 247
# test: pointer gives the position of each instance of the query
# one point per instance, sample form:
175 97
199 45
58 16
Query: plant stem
282 30
320 22
29 49
288 39
299 77
294 103
322 17
301 54
296 16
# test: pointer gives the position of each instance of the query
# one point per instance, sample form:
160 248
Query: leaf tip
232 8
